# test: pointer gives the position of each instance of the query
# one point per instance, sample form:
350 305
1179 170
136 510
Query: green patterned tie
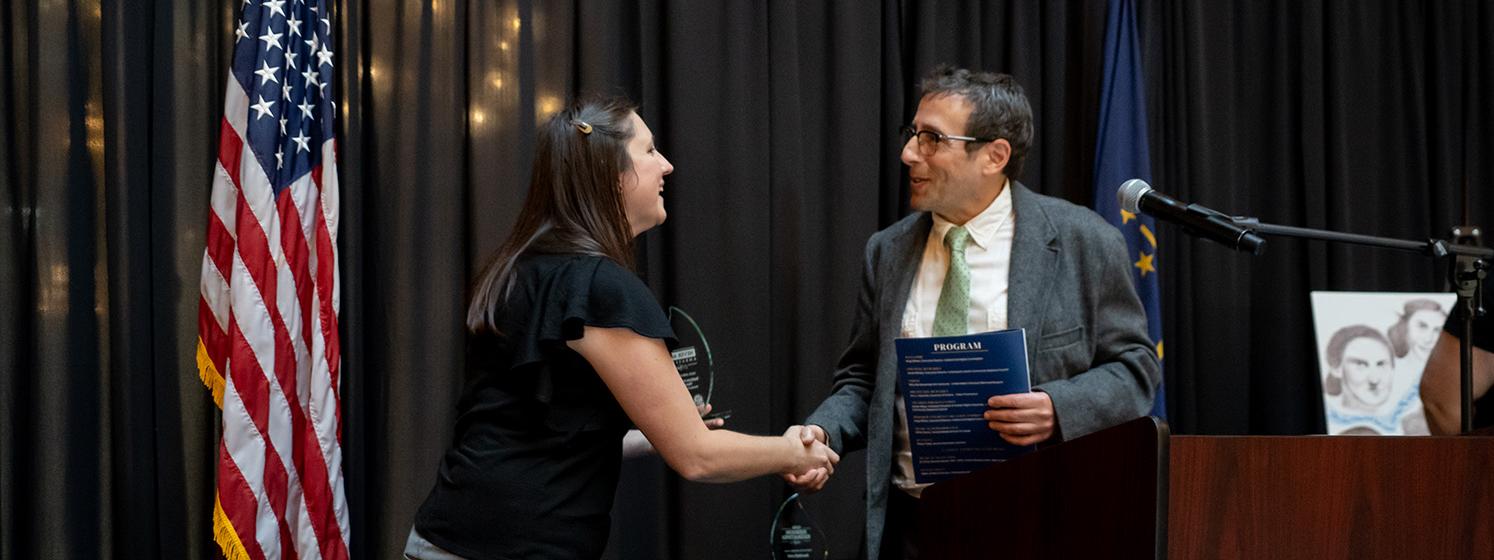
952 317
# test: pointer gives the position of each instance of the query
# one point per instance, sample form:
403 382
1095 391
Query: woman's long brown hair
574 204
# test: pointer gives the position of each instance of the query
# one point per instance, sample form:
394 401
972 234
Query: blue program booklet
945 382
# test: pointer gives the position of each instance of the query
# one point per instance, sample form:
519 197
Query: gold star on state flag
1145 264
1126 217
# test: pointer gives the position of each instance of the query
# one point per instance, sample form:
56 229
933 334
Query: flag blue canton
283 59
1121 154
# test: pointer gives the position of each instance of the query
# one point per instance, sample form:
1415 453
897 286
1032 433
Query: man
1013 258
1360 367
1441 385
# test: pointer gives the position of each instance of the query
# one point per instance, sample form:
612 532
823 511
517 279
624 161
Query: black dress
534 464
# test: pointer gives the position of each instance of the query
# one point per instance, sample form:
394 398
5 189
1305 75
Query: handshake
817 461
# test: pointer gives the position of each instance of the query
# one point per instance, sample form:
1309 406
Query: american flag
267 320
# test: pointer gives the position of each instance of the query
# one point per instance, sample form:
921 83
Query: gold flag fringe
209 373
226 537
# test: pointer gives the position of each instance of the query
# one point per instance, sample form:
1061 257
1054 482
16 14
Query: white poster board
1372 347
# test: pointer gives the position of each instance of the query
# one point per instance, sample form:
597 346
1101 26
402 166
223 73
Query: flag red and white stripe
268 334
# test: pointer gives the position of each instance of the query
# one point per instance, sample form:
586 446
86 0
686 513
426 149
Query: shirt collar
984 225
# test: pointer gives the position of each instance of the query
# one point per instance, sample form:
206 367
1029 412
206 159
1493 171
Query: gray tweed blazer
1070 286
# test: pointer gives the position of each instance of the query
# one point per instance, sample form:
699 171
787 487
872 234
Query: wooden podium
1321 497
1134 492
1086 498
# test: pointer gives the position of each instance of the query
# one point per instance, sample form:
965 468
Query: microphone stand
1467 265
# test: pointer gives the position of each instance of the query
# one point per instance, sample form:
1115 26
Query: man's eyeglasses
928 140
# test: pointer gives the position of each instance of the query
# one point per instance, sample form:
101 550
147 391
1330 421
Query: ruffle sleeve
584 292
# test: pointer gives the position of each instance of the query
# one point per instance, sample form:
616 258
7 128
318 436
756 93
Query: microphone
1136 196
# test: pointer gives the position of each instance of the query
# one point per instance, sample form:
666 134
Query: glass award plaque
692 357
795 536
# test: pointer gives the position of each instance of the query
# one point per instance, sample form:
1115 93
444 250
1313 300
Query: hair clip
585 128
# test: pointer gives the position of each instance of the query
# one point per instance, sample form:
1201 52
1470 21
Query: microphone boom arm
1256 225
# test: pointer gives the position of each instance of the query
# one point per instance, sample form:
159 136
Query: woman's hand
815 461
822 461
712 423
813 480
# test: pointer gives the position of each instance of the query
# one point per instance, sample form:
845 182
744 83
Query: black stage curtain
781 119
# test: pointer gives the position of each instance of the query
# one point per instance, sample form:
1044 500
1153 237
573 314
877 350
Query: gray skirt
417 548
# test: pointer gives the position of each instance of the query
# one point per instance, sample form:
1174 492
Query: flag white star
328 24
263 107
282 125
312 42
305 108
302 142
242 32
279 158
295 25
312 77
275 7
324 56
267 74
285 91
271 39
290 59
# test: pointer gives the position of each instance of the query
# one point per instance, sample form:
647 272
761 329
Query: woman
565 346
1417 329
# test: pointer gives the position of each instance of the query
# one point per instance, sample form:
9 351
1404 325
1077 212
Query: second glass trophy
795 536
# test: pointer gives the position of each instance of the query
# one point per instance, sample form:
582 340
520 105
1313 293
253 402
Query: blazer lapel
1034 262
905 254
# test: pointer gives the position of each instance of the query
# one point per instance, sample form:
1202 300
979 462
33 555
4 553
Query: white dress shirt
989 256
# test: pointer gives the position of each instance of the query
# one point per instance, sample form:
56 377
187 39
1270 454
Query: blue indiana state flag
1121 154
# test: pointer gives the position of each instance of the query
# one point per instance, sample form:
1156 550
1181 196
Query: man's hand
1021 418
813 480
